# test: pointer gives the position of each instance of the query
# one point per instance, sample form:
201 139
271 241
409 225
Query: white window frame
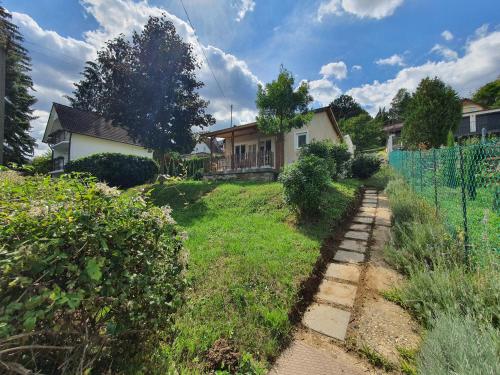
473 123
296 137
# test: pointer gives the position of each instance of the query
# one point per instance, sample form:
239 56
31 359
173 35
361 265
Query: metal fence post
464 203
421 167
435 179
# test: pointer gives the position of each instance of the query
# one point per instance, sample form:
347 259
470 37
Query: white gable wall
83 145
318 129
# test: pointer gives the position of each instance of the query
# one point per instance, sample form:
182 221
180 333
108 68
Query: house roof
226 132
91 124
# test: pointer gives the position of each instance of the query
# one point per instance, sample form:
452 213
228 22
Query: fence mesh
463 183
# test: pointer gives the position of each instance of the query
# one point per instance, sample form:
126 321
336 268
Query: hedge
116 169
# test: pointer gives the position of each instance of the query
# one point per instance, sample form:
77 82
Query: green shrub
42 164
85 268
406 206
304 182
321 149
341 156
116 169
364 166
458 345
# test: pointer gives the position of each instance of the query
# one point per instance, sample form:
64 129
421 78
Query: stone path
332 312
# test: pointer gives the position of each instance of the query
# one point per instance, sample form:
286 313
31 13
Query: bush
42 164
458 345
304 182
116 169
364 166
323 150
96 273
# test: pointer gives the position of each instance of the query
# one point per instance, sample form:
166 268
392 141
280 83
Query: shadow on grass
184 198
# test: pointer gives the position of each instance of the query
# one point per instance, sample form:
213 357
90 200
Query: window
300 139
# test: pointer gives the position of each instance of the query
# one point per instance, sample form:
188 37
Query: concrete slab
357 235
327 320
349 257
371 210
366 214
353 245
303 358
369 205
383 221
338 293
361 227
370 191
362 220
346 272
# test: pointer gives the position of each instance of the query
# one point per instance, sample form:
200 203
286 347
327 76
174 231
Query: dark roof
89 123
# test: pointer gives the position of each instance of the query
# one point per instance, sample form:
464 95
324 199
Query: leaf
93 270
29 323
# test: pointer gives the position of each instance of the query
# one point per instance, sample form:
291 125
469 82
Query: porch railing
244 161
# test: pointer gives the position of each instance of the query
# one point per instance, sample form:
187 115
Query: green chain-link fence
463 183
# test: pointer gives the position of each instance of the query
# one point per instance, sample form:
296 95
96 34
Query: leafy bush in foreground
116 169
90 274
304 182
364 166
458 345
335 155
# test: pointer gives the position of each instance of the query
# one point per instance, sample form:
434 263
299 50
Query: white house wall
318 129
83 145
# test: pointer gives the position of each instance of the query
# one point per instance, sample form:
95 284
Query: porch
246 150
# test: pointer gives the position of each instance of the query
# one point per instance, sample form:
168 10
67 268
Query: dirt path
350 326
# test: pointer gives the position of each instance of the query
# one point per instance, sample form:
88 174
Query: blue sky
366 48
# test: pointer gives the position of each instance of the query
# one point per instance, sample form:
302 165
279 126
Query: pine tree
19 144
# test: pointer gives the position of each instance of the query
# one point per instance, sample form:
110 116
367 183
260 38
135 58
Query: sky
365 48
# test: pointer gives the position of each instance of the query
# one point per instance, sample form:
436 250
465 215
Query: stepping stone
369 200
366 214
369 205
349 257
335 292
347 272
367 209
357 235
302 358
362 220
353 245
383 221
370 190
361 227
327 320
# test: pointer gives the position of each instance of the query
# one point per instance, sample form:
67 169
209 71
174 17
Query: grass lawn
247 259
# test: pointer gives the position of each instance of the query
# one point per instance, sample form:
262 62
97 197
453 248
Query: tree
281 108
19 144
383 116
489 94
365 132
399 106
434 110
345 107
148 86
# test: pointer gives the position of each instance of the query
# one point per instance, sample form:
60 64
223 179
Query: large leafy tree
399 106
282 108
366 132
345 107
147 85
435 110
19 144
489 94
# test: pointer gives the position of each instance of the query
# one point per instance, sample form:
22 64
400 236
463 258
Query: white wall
318 129
201 147
83 145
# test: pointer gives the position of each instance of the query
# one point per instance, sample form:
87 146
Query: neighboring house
72 134
475 117
202 149
246 149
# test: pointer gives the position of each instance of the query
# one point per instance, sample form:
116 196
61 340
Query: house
251 154
203 149
72 134
475 118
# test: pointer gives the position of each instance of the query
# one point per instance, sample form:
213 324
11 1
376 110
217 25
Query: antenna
231 115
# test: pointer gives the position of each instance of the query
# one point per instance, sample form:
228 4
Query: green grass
247 258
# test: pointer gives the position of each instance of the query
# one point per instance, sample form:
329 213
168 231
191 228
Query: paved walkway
331 313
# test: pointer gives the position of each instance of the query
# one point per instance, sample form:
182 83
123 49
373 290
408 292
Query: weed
376 359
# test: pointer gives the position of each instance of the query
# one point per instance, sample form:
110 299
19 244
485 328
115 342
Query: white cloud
323 91
376 9
393 60
447 35
57 61
445 52
482 31
245 6
356 67
334 69
478 66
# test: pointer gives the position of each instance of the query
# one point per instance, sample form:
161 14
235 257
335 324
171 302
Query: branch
32 347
